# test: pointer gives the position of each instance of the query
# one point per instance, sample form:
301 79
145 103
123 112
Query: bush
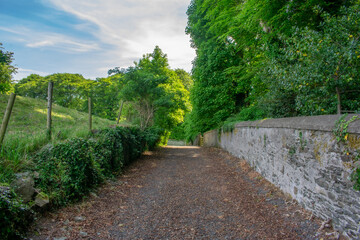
109 151
246 114
152 137
178 132
15 216
69 170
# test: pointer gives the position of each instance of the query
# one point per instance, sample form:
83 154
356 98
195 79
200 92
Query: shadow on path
182 192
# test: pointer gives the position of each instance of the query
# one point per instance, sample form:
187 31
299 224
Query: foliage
247 114
321 68
26 132
6 70
70 90
178 132
341 127
69 170
15 216
355 177
341 133
279 57
185 78
152 138
155 91
105 96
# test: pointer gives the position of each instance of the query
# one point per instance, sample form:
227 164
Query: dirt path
184 193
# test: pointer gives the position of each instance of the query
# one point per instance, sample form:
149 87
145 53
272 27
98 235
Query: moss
317 151
353 141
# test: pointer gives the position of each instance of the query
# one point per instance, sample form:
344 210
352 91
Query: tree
70 90
185 78
237 43
6 69
155 91
105 96
322 67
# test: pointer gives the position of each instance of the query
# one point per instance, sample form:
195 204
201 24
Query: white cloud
120 31
63 43
135 27
38 39
22 73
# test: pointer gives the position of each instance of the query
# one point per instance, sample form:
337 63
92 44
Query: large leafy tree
70 90
236 41
105 96
155 91
6 69
321 68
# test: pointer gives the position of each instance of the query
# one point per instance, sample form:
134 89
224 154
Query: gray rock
60 238
94 195
23 186
36 175
83 234
41 200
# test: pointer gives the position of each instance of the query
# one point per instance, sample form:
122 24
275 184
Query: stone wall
302 156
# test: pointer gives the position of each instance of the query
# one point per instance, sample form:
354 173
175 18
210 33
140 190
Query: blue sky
91 36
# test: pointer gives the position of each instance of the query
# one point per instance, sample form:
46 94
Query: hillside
26 131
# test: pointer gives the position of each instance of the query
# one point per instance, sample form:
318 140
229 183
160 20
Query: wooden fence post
90 117
49 109
120 110
7 117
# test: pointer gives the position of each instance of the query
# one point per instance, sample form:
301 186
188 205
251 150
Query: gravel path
184 193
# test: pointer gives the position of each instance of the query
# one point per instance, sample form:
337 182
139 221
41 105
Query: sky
90 37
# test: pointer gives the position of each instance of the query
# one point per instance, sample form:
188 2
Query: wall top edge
318 123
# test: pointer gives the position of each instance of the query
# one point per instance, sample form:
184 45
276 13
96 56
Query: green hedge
69 170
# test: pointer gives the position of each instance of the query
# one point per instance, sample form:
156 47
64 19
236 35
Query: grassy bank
26 132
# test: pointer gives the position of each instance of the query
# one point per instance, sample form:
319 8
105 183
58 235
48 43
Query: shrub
152 137
109 151
67 170
15 216
246 114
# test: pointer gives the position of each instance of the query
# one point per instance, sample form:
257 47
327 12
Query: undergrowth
251 113
69 170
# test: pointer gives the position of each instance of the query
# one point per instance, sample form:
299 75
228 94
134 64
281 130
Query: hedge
68 171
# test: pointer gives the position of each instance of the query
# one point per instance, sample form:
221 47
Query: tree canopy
261 58
6 69
156 92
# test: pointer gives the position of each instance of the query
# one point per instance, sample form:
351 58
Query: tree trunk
338 101
120 110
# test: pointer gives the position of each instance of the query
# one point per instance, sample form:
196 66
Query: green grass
26 132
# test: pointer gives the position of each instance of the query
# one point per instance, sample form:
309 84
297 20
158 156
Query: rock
83 234
23 186
41 200
60 238
79 218
94 195
36 175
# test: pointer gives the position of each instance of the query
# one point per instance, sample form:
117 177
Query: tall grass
26 132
